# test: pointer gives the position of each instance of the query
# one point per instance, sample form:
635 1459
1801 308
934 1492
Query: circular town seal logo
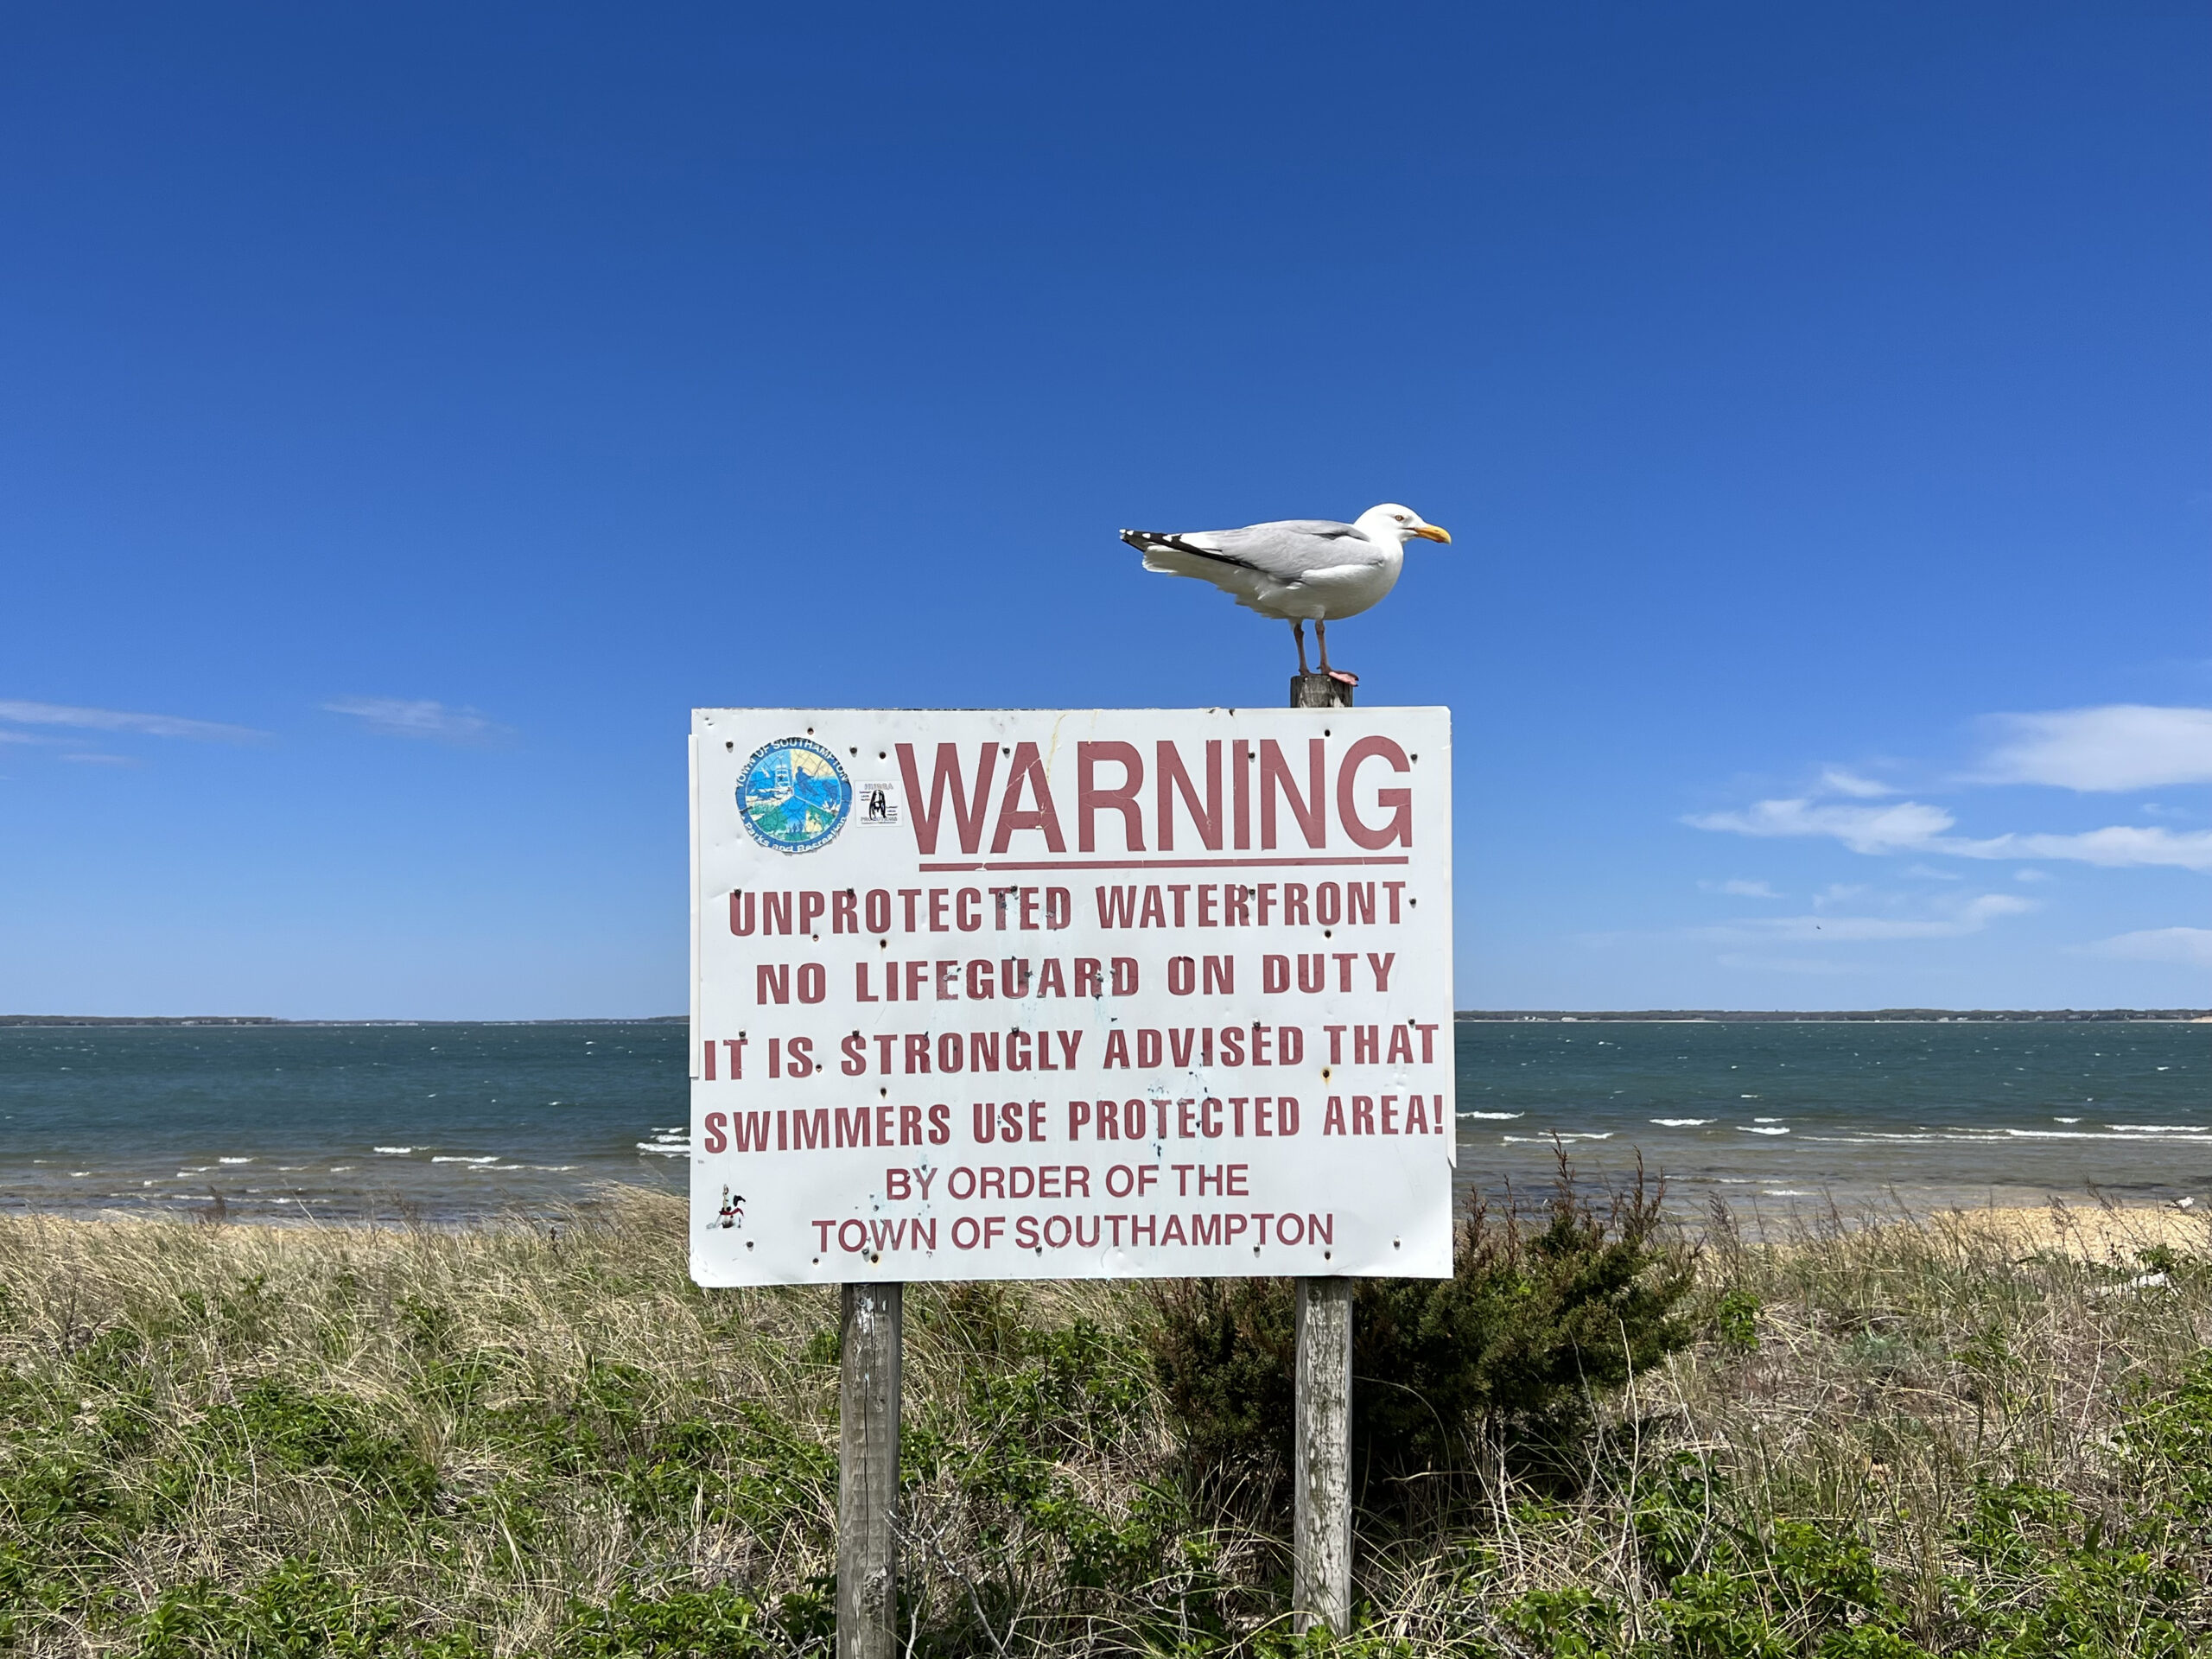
794 796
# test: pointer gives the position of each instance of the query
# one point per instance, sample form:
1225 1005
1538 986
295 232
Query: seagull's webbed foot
1341 676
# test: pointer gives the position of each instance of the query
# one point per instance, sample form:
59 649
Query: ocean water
438 1123
447 1122
1956 1113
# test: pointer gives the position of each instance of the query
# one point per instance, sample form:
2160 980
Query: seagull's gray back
1290 549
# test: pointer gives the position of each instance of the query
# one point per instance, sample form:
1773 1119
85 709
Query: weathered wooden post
1321 1461
1318 691
1321 1457
868 1470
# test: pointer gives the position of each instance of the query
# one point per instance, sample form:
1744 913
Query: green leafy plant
1540 1317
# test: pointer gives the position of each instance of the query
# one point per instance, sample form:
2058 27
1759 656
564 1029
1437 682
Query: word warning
1099 993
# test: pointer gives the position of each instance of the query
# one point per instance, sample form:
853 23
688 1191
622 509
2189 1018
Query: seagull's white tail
1176 556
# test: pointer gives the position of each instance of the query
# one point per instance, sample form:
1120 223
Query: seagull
1296 569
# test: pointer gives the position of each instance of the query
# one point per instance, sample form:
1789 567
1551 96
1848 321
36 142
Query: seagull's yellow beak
1434 533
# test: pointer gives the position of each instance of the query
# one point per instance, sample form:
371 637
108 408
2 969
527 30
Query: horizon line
1896 1014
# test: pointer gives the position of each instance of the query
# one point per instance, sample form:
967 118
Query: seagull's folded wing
1262 566
1292 550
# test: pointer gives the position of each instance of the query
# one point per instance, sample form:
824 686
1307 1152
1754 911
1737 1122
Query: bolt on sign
1023 994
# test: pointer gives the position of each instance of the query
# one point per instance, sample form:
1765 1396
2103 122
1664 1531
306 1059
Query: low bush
718 1623
298 1610
1542 1317
300 1431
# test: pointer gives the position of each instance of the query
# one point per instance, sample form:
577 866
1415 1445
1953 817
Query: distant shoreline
1464 1016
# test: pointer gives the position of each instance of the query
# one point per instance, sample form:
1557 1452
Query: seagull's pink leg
1298 632
1321 633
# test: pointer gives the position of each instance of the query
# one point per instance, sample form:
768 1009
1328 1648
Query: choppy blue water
449 1121
1940 1112
337 1122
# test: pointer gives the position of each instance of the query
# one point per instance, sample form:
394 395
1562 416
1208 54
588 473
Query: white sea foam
1766 1120
2157 1129
1786 1192
456 1158
393 1152
234 1160
1546 1140
1508 1114
1681 1122
679 1149
2066 1120
1749 1128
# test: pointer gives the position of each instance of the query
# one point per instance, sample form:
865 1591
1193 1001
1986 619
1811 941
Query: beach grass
1986 1433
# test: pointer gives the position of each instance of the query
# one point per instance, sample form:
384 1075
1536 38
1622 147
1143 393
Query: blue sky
407 413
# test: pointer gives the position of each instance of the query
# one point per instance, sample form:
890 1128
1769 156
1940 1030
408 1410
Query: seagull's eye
1400 516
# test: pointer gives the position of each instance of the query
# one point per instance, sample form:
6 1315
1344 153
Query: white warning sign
1093 993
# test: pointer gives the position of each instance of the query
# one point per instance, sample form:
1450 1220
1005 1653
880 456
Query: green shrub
300 1431
295 1611
1536 1319
2170 1437
718 1623
2050 1578
1225 1350
1532 1324
1736 1320
1569 1623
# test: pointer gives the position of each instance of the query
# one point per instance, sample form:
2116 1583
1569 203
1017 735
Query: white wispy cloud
119 720
1739 888
1907 826
2114 847
1952 921
2120 745
1915 826
2192 945
2111 747
1836 781
418 717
